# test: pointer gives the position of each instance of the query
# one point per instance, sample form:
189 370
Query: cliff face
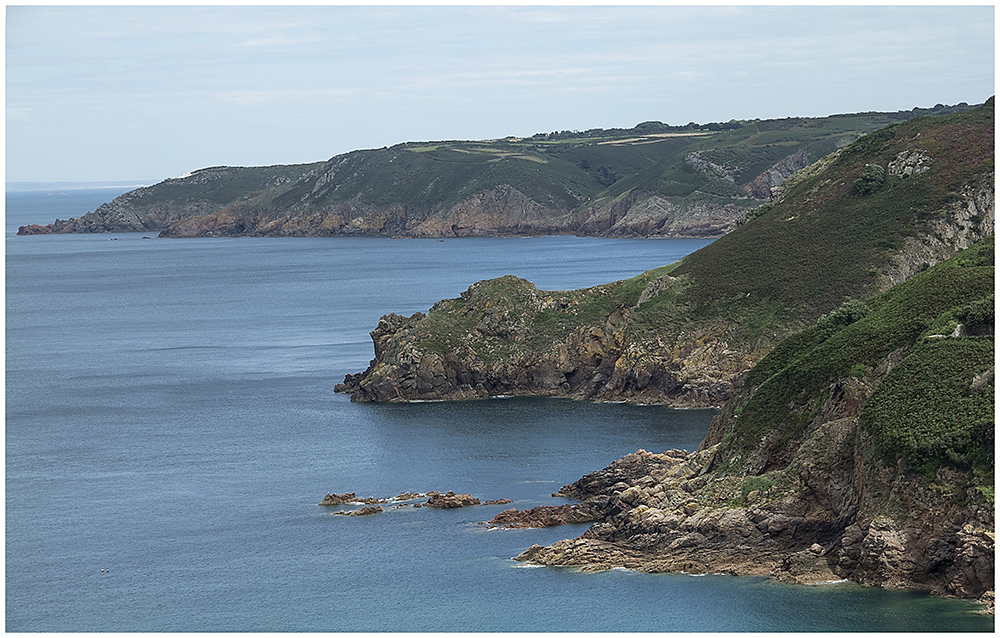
859 450
685 334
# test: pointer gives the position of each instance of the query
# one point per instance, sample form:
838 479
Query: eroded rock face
657 216
967 220
35 229
766 185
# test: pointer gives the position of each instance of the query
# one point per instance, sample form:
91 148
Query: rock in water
450 500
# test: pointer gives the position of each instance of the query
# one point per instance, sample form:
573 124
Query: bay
171 426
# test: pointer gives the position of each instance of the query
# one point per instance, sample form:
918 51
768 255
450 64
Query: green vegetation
224 184
927 411
871 179
755 484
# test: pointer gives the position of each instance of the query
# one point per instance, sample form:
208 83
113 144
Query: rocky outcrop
350 497
961 224
450 500
821 518
544 516
595 491
35 229
766 185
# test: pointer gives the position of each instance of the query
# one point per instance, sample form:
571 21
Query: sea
171 428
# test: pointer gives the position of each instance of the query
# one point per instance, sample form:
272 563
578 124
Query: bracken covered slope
873 214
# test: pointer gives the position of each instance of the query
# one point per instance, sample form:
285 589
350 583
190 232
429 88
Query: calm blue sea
171 426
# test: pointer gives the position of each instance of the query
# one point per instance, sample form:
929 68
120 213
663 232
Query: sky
144 93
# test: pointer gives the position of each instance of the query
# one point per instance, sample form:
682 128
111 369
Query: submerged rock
448 500
349 497
364 511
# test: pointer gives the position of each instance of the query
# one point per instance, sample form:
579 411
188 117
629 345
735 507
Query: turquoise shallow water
171 421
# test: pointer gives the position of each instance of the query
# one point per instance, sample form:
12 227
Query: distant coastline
22 187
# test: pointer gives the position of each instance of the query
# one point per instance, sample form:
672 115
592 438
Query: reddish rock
545 516
450 500
35 229
337 499
364 511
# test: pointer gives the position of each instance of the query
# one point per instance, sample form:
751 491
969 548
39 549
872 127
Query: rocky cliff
687 333
860 449
506 337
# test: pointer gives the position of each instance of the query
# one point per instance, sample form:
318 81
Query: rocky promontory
506 337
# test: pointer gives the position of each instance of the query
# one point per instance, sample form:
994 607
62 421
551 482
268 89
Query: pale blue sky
146 93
